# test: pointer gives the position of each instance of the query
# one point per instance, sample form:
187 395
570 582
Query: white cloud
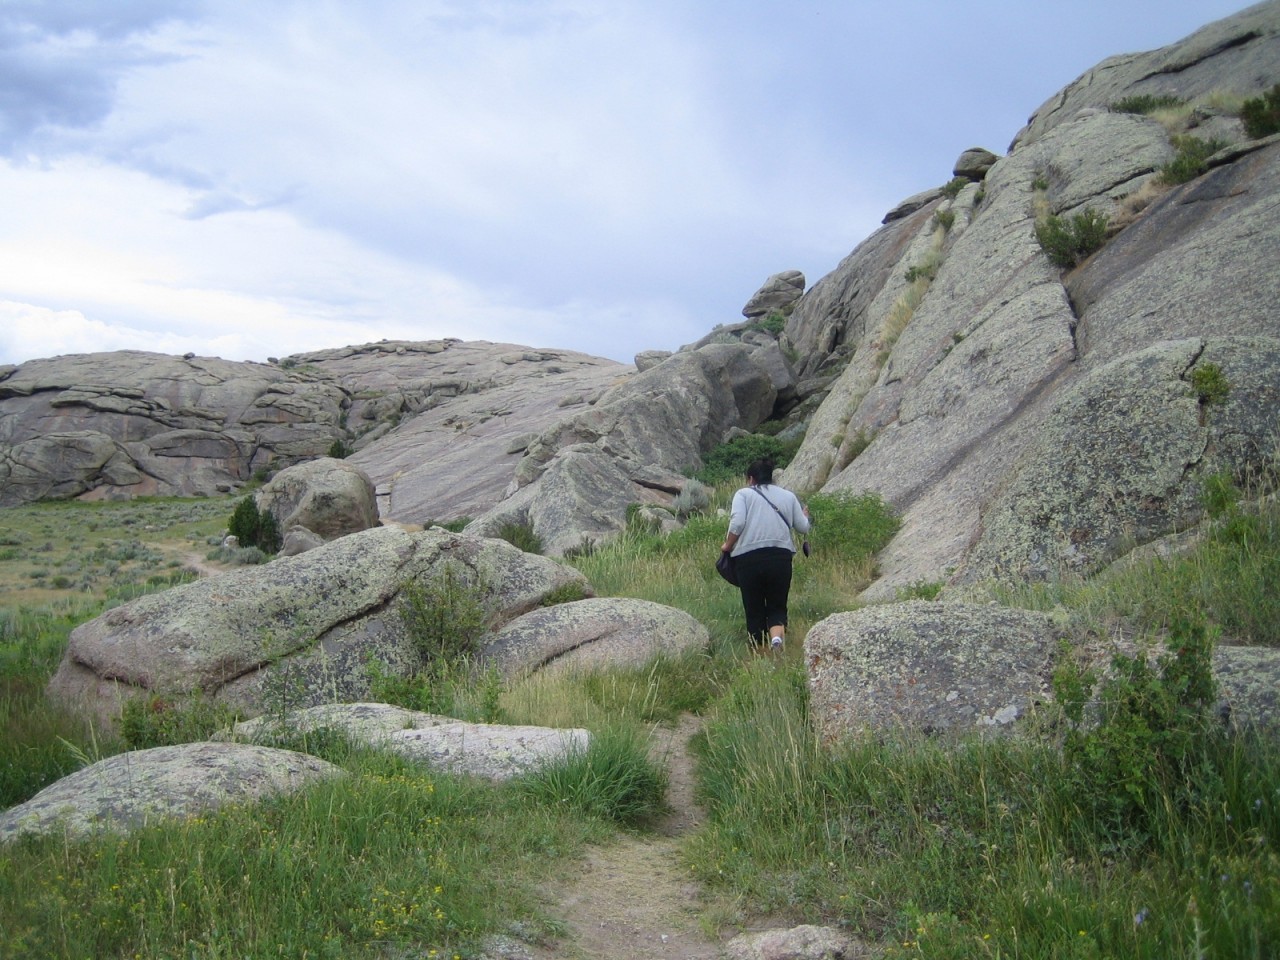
263 179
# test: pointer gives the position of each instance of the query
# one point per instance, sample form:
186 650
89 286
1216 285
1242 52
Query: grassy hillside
1152 834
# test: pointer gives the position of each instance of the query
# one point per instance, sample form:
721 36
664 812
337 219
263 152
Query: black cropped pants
764 577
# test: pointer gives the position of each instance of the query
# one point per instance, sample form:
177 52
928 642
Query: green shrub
952 188
945 219
1142 750
1145 103
520 535
851 525
1210 383
1261 115
773 324
1191 160
694 497
445 616
253 528
729 461
1068 242
338 450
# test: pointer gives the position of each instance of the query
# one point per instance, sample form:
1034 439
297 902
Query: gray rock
490 751
297 540
1118 458
329 498
927 666
593 634
295 632
131 423
576 482
1238 53
913 204
805 942
1249 685
131 790
778 294
647 359
974 163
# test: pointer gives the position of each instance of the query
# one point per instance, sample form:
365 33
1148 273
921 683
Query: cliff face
1029 420
1026 419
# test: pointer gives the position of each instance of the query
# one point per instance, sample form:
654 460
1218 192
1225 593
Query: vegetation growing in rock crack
1067 242
1261 115
1191 159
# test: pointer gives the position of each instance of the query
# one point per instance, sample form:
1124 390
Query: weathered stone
647 359
131 790
298 540
492 751
806 942
1238 53
299 628
577 480
590 634
329 498
1249 684
778 294
927 667
974 163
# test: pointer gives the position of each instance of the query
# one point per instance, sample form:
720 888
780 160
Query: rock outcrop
131 790
299 631
593 634
1028 422
492 751
577 479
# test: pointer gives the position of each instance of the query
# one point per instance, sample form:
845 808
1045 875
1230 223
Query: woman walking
759 540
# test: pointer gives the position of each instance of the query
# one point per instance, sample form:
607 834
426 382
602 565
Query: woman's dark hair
761 471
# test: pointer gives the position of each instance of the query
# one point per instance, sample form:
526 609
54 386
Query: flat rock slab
489 750
131 790
602 632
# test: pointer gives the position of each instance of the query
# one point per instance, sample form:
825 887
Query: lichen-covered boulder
593 634
492 751
298 631
131 790
927 667
330 498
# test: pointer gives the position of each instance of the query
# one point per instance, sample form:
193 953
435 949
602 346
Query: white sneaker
775 644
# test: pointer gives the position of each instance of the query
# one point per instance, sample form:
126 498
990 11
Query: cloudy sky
254 178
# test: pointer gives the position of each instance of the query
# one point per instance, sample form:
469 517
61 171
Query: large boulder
298 631
492 751
329 498
131 790
590 634
927 667
778 295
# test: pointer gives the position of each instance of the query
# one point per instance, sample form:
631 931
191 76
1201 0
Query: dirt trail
632 900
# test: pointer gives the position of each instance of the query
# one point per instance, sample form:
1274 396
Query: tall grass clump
611 779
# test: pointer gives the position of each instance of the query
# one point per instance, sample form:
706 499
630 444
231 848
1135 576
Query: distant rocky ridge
1024 420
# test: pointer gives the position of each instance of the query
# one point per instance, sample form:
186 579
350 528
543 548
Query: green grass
925 847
